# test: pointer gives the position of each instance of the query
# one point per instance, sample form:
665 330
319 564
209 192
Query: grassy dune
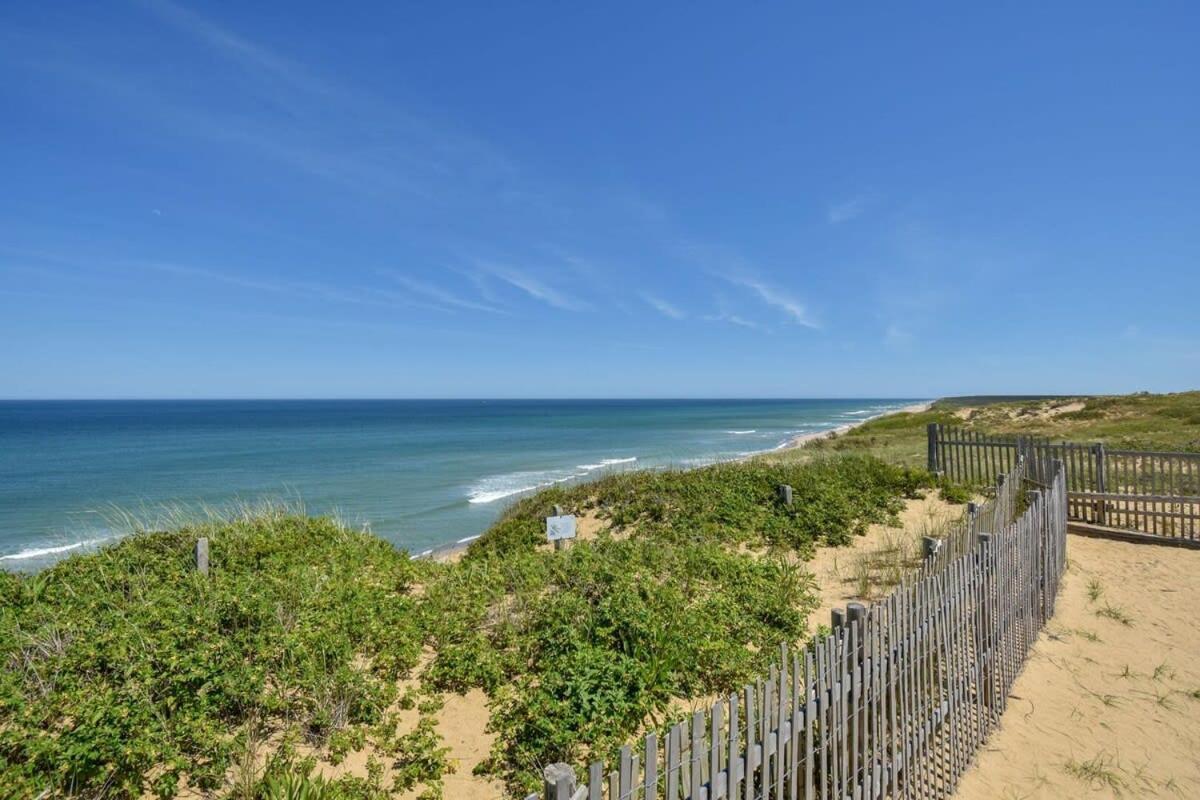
1139 421
310 644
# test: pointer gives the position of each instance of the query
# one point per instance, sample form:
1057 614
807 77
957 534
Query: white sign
560 527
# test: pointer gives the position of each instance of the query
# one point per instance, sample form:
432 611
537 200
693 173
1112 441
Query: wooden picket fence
1156 494
992 515
894 703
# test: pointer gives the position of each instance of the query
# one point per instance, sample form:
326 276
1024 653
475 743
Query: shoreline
45 553
807 438
454 550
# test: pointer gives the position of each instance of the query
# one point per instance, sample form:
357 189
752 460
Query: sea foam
498 487
40 552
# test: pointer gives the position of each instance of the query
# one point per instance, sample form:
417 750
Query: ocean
421 473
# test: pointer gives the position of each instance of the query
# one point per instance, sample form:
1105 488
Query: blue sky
671 200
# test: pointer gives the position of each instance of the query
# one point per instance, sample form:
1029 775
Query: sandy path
1103 708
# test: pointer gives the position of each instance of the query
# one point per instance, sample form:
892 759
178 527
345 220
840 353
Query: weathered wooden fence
992 515
893 704
1155 493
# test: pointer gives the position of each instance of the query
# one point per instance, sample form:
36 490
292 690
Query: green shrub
953 492
127 672
127 663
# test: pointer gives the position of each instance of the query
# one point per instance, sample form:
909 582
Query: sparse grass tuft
1098 772
1115 613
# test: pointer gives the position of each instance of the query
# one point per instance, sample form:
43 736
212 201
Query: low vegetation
1138 421
127 673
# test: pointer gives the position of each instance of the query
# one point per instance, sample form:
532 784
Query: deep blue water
421 473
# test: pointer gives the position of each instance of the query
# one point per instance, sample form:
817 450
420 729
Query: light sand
843 573
1040 411
462 725
1113 716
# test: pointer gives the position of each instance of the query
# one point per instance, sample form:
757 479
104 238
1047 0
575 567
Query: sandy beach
806 438
1107 705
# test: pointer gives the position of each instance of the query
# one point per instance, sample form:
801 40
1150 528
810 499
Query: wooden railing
893 703
1138 491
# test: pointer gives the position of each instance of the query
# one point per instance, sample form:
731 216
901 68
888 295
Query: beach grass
1138 421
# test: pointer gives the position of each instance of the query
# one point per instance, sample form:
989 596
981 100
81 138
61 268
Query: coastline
807 438
454 551
38 543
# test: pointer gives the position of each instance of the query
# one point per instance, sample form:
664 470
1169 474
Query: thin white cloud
778 298
663 307
312 290
227 42
847 210
734 319
535 288
439 294
897 337
303 119
729 266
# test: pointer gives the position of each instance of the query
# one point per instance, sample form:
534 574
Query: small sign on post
202 555
559 528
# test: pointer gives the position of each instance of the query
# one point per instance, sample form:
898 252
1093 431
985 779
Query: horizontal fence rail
894 703
1154 493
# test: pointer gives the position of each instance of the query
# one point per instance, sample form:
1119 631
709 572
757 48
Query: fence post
972 518
837 618
1101 511
202 555
559 544
932 432
929 546
785 494
560 782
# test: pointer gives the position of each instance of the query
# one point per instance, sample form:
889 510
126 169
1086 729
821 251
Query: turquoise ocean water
421 473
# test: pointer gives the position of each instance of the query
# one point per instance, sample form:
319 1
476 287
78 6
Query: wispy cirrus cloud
731 267
846 210
778 298
291 115
302 289
734 319
663 307
851 208
534 287
898 338
440 294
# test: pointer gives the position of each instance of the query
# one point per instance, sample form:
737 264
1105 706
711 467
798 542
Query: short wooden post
856 612
972 518
1101 509
202 555
931 458
559 544
560 781
785 494
837 618
929 546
